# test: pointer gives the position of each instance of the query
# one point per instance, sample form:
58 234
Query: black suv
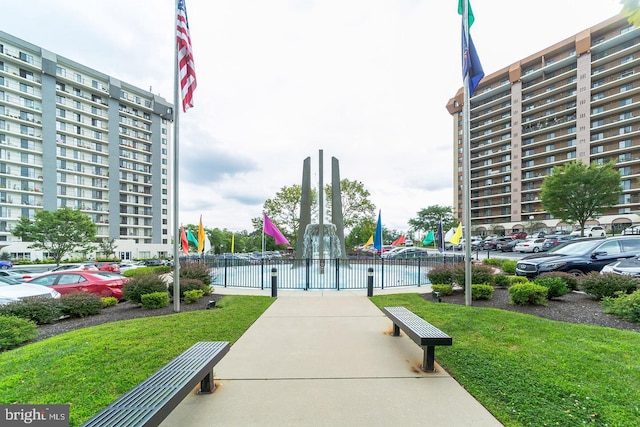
580 256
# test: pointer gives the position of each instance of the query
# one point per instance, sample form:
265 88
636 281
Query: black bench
420 331
148 403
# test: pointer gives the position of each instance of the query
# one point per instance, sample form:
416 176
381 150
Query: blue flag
377 238
471 64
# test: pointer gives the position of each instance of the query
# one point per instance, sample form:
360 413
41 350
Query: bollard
274 282
370 282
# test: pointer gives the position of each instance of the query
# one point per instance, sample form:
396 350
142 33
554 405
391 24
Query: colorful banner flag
399 241
455 239
191 238
441 237
369 242
270 229
186 67
183 241
377 237
428 239
233 242
201 236
471 65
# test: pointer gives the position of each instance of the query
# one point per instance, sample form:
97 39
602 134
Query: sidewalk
326 358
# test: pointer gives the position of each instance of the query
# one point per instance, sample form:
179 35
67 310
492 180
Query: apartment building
576 100
73 136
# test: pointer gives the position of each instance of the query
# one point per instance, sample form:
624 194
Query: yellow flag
233 241
455 239
369 242
200 237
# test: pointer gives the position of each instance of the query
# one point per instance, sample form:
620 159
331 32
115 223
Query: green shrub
143 284
80 304
441 274
195 270
518 279
625 306
480 274
497 262
528 293
509 266
501 280
556 287
193 295
155 300
40 310
189 285
141 271
598 285
109 302
443 289
481 292
15 330
568 278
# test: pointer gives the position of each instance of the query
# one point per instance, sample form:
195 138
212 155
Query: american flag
187 71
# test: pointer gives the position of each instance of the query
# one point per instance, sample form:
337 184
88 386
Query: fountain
330 242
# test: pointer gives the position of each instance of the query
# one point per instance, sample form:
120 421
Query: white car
12 291
529 245
591 231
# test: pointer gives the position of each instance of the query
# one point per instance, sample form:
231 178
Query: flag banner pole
176 168
466 220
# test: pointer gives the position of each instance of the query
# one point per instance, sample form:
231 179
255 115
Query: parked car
18 275
634 229
492 244
520 235
408 253
4 264
580 256
11 291
553 240
105 284
124 266
74 267
591 231
530 245
627 267
508 245
108 266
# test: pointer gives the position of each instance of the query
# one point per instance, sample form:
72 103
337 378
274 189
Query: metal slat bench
151 401
420 331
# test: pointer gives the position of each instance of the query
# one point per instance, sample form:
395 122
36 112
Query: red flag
399 241
183 240
270 229
186 68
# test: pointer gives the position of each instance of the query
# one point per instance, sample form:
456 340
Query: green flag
192 238
428 239
470 16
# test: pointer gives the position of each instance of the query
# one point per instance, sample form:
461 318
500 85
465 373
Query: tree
356 205
107 247
360 233
284 210
57 232
575 192
631 9
428 218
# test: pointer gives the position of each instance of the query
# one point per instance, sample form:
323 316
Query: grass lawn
89 368
529 371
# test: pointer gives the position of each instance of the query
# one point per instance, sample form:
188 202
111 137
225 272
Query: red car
114 267
104 284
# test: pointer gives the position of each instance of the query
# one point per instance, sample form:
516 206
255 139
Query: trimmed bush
501 280
528 293
155 300
518 279
481 292
40 310
109 302
193 296
556 287
189 285
568 278
625 306
15 330
598 285
443 289
195 270
506 265
147 283
141 271
80 304
480 274
441 274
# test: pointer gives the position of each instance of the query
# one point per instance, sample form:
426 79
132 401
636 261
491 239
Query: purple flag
270 229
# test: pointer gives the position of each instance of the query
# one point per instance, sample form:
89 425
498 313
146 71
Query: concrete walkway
327 359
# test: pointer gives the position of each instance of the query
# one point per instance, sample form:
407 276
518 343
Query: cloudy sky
366 81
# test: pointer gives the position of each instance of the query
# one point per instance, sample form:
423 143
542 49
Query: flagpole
176 166
466 188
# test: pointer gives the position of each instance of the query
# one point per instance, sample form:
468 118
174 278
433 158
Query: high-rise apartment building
576 100
73 136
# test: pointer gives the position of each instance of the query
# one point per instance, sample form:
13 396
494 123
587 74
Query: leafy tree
57 232
360 233
575 192
631 9
356 205
284 210
428 218
107 247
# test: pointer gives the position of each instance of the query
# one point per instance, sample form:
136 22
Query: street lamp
531 224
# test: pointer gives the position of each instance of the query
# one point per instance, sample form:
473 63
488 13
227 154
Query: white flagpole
176 164
466 167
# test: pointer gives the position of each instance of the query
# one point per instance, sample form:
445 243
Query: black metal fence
337 274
